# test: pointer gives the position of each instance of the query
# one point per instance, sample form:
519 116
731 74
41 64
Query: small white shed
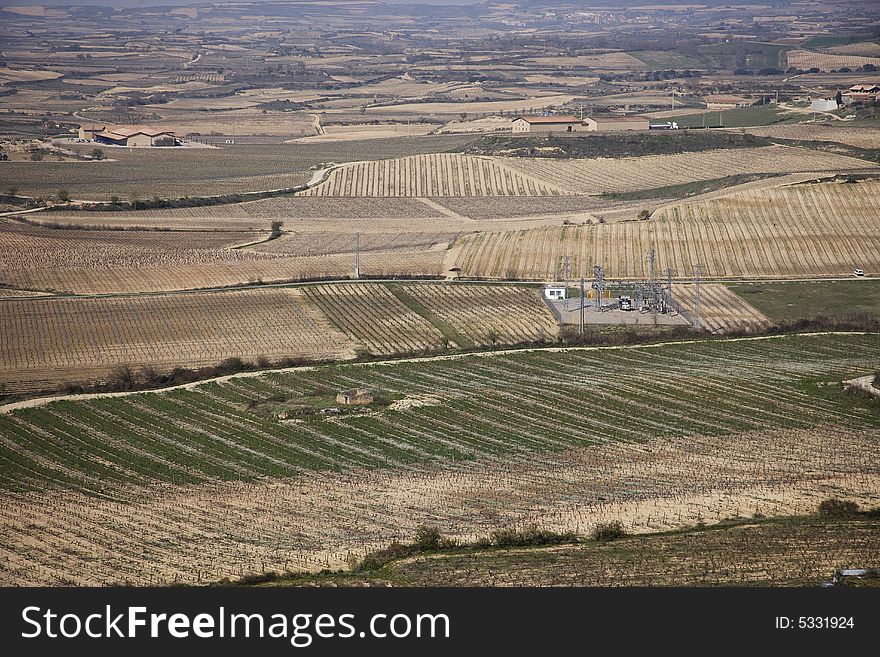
823 105
554 293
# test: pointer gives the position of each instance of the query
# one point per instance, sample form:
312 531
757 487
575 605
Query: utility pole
697 298
566 270
357 255
652 287
583 303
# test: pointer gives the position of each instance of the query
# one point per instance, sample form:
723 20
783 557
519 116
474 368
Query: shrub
123 376
838 508
232 365
428 537
876 382
97 154
609 531
530 535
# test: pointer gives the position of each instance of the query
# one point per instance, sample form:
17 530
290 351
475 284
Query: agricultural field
374 318
805 59
86 261
500 208
49 342
250 215
798 551
194 485
721 310
599 176
257 269
863 48
433 175
326 243
37 248
176 173
820 229
790 301
743 117
486 315
868 138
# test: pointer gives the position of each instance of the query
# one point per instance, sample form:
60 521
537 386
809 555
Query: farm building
616 123
864 89
354 397
87 131
861 93
136 137
723 102
547 124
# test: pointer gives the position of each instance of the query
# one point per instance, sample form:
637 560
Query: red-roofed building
135 136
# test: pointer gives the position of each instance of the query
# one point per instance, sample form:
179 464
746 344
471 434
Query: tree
64 196
492 336
839 98
37 156
276 227
97 154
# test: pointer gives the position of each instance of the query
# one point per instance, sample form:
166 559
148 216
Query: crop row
433 175
482 407
803 230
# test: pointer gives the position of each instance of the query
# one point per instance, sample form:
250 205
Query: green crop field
666 59
804 300
176 173
494 406
739 118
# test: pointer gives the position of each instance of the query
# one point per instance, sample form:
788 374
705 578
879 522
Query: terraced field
434 175
47 342
822 229
132 488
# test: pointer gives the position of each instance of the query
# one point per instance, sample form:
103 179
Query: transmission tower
566 270
598 284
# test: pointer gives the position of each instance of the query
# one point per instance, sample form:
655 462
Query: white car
858 272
